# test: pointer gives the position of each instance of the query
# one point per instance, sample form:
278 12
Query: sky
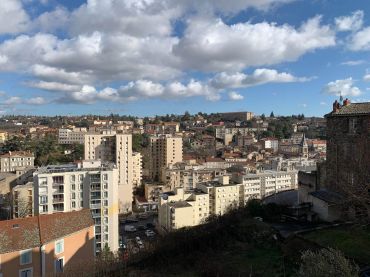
156 57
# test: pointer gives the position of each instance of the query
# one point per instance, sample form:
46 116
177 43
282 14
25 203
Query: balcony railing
58 200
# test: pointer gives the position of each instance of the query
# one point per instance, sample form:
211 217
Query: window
25 272
73 195
59 246
26 256
59 265
81 186
73 178
73 186
73 204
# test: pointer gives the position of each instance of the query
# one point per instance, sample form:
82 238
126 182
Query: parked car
149 233
130 228
130 220
139 242
141 227
150 225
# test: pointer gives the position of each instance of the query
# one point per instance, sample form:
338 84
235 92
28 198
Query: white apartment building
181 208
262 184
109 146
73 187
137 169
164 150
74 136
12 161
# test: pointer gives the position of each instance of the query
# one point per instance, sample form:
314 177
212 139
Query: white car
139 242
149 233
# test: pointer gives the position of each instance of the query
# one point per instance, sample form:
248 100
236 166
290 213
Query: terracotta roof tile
353 109
30 232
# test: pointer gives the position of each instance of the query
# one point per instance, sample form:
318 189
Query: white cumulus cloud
353 22
234 96
343 87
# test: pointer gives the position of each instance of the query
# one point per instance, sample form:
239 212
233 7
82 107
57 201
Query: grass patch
353 241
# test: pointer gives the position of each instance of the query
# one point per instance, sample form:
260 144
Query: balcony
58 184
95 206
58 191
95 215
58 200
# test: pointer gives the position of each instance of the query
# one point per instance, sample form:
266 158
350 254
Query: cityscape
184 138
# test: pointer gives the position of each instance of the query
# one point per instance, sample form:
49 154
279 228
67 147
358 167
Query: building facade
137 169
12 161
46 245
109 146
164 150
23 199
74 136
90 185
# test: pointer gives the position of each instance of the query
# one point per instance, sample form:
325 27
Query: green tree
326 262
272 114
263 117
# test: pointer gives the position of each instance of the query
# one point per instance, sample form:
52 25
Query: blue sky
147 57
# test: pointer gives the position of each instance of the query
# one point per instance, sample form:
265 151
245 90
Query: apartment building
74 136
162 128
46 245
109 146
185 208
137 169
22 196
164 150
3 137
262 184
89 185
182 209
12 161
240 116
187 176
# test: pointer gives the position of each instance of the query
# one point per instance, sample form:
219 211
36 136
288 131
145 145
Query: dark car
130 220
150 225
141 227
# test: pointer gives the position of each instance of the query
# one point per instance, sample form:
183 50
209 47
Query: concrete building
46 245
109 146
137 169
182 209
164 150
241 116
74 136
23 199
270 143
3 137
162 128
262 184
72 187
187 176
12 161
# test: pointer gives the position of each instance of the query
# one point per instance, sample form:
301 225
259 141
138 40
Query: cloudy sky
146 57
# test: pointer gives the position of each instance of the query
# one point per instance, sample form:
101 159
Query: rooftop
352 109
329 197
17 153
179 204
30 232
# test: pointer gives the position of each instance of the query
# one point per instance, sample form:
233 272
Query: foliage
326 262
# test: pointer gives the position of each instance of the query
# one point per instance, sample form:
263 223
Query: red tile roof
30 232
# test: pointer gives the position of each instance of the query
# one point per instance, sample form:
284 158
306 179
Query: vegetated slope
231 245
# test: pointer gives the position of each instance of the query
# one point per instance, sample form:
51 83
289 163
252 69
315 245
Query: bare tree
326 262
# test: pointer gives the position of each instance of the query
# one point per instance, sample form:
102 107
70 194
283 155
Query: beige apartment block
3 137
22 196
12 161
72 136
164 150
137 169
183 209
89 185
109 146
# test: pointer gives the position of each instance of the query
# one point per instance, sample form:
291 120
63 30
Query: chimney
336 106
346 102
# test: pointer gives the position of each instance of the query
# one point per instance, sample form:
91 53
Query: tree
326 262
272 114
263 117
